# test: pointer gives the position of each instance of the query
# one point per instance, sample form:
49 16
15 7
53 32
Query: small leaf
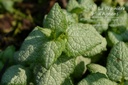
96 79
117 62
102 17
45 31
68 81
74 7
80 67
57 73
89 8
8 54
56 20
71 17
14 75
113 38
120 20
94 68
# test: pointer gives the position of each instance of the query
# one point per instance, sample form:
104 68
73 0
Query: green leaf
117 62
124 35
28 52
120 20
8 54
57 73
126 6
102 17
37 47
89 9
80 67
113 38
82 38
68 81
56 20
74 7
71 17
1 65
94 68
45 31
50 51
96 79
8 5
14 75
126 83
97 49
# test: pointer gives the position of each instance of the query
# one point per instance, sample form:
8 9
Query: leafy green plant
69 44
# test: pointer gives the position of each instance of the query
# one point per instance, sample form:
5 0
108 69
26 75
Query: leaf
28 52
56 74
80 67
50 51
45 31
96 79
8 5
56 20
8 54
102 17
89 9
74 7
14 75
126 83
71 17
68 81
37 47
94 68
113 38
121 20
117 62
97 49
82 38
126 6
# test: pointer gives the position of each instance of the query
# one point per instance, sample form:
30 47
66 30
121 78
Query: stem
122 81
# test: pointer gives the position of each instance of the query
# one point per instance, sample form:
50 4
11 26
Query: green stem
122 81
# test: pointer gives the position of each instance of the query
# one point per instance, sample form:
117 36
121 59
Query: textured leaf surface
117 62
30 47
37 47
120 20
89 9
56 20
74 7
97 49
94 68
15 75
50 51
71 17
82 38
57 73
102 17
96 79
